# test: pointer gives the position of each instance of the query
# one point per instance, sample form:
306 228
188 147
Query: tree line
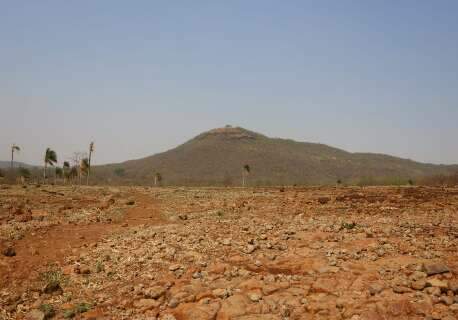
79 168
76 170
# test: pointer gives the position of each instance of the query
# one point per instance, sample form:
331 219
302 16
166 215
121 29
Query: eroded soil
183 253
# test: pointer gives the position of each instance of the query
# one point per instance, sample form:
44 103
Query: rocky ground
183 253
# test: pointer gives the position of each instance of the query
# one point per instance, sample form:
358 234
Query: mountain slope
216 157
7 165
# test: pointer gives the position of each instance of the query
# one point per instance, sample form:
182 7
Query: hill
7 165
216 157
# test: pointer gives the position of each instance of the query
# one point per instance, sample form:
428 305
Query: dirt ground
228 253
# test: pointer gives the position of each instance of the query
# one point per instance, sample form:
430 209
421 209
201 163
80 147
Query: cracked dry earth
228 253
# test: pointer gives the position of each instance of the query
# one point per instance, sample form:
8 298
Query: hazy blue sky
140 77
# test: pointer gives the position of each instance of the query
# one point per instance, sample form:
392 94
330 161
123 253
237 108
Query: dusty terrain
183 253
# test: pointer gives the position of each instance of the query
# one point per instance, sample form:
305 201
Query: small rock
419 284
52 287
9 252
183 217
173 303
146 304
174 267
453 285
375 288
82 269
35 314
400 289
324 200
435 268
437 283
447 300
154 292
255 297
250 249
220 293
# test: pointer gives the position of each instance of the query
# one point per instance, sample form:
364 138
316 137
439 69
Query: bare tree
91 149
76 160
65 170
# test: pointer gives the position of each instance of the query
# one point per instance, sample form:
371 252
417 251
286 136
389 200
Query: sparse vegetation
69 313
245 172
48 310
120 172
54 280
82 307
157 178
24 172
348 226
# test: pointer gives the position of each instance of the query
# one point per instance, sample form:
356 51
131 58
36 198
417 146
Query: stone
250 249
418 285
204 311
220 293
174 267
400 289
146 304
435 291
52 287
324 200
435 268
446 300
183 217
453 285
375 288
437 283
173 303
154 292
9 252
233 307
35 314
255 297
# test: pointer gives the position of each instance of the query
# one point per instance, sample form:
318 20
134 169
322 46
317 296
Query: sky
141 77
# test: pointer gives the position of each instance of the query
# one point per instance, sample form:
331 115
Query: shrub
48 310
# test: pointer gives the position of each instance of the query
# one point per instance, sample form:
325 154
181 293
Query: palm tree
245 173
65 168
50 159
14 148
91 149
